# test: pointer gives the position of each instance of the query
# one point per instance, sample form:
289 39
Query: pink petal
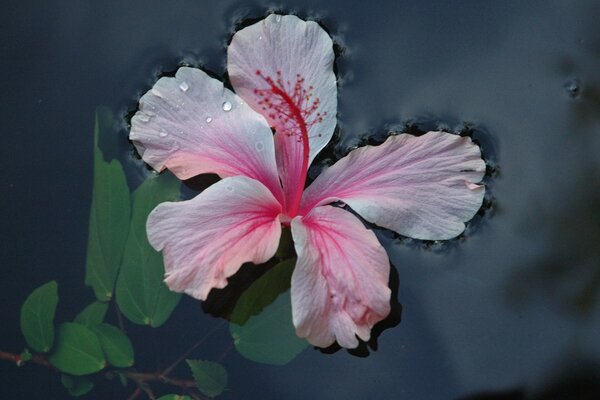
339 285
423 187
275 65
205 240
183 125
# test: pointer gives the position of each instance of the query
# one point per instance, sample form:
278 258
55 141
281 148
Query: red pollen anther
292 105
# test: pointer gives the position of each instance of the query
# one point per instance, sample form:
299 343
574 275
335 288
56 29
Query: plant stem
140 378
168 370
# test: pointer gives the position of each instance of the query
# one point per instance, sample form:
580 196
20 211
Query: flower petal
205 240
283 67
339 285
191 125
423 187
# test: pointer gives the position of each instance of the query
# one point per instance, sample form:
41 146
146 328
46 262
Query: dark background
511 307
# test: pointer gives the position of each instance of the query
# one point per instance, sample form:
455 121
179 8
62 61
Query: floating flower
282 71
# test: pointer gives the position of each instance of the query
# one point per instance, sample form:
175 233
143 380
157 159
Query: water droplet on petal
162 134
208 120
227 106
143 117
278 18
184 86
230 188
259 146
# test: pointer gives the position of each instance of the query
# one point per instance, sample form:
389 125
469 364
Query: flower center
293 110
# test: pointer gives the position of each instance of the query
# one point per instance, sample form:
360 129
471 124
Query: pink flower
282 71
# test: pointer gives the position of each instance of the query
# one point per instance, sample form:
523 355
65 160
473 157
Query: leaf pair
82 347
82 350
118 250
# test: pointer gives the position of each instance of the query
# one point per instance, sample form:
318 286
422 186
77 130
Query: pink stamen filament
292 112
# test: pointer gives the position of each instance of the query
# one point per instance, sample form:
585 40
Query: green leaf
78 350
37 317
25 355
210 377
93 314
116 346
268 337
142 295
76 385
109 216
174 397
263 292
286 248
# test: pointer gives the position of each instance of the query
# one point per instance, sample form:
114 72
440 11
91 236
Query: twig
168 370
16 358
225 352
135 394
148 392
140 378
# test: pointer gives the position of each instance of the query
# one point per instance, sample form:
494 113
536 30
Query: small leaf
78 350
37 317
25 355
116 346
109 216
142 295
268 337
210 377
174 397
93 314
76 385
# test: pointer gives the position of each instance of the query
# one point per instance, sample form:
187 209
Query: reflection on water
569 273
577 380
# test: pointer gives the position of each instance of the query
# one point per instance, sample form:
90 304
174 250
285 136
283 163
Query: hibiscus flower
282 71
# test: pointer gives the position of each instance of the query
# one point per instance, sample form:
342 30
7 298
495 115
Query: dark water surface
514 306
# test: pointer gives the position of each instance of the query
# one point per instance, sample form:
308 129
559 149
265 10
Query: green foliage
261 322
37 317
77 351
76 385
121 261
141 293
25 355
109 216
210 377
286 248
93 314
116 346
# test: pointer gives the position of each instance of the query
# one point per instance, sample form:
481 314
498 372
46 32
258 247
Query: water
513 306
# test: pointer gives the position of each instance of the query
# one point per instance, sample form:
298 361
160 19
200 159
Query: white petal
207 239
339 285
191 125
424 187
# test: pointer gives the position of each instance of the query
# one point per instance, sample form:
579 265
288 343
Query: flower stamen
293 109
